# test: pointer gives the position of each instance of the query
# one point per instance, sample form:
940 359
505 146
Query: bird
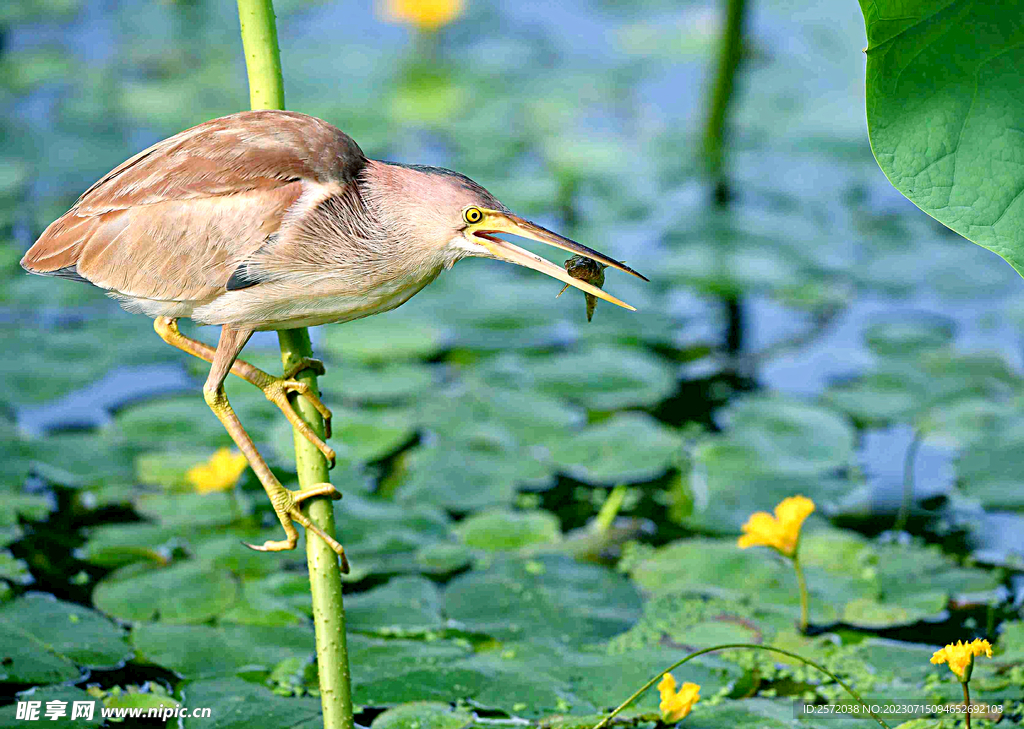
267 220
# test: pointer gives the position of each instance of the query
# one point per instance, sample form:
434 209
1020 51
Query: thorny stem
604 722
266 91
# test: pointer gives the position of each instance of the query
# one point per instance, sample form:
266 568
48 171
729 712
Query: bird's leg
286 502
275 388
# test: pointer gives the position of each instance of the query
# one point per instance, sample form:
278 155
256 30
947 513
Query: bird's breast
313 299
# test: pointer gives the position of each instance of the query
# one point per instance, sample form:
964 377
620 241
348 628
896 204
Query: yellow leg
285 502
276 389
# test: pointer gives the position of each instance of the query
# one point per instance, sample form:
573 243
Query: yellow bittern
273 220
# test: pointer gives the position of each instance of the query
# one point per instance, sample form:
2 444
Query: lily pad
44 640
200 651
503 530
626 448
405 603
423 715
547 598
187 592
238 704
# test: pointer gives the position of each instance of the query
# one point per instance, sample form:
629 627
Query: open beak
495 221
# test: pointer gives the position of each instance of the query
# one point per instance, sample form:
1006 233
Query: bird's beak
495 221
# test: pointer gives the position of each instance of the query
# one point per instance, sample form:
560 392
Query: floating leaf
503 530
547 598
626 448
187 592
44 640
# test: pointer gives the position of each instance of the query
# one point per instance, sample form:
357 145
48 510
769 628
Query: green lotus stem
266 91
803 592
604 722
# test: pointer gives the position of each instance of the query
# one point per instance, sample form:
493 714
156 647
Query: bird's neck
408 217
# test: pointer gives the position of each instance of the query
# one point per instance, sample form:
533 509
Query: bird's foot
286 504
306 363
277 391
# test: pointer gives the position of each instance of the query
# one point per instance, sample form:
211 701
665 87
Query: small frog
589 270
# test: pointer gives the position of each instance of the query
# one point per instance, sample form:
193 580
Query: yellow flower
219 473
426 15
675 705
960 657
782 531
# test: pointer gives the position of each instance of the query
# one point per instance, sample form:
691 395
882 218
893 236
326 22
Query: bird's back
166 230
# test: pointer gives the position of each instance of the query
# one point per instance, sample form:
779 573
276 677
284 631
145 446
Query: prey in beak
483 225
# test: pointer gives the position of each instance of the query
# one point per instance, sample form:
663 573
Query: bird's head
449 212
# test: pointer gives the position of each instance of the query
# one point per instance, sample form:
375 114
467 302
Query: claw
277 392
306 363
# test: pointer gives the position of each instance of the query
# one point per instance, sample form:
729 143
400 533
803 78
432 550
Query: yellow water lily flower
675 705
220 473
780 532
426 15
960 657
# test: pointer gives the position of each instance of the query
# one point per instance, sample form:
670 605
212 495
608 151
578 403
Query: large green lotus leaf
504 530
406 603
944 114
238 704
626 448
463 477
604 378
70 694
198 651
187 592
547 598
44 640
423 715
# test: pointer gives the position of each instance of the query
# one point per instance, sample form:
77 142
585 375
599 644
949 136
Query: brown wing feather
172 222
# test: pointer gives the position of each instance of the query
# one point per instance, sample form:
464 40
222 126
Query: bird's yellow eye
473 215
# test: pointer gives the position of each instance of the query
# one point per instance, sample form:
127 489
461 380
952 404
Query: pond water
816 335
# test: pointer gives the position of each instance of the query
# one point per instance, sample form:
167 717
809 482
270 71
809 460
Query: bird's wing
173 222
